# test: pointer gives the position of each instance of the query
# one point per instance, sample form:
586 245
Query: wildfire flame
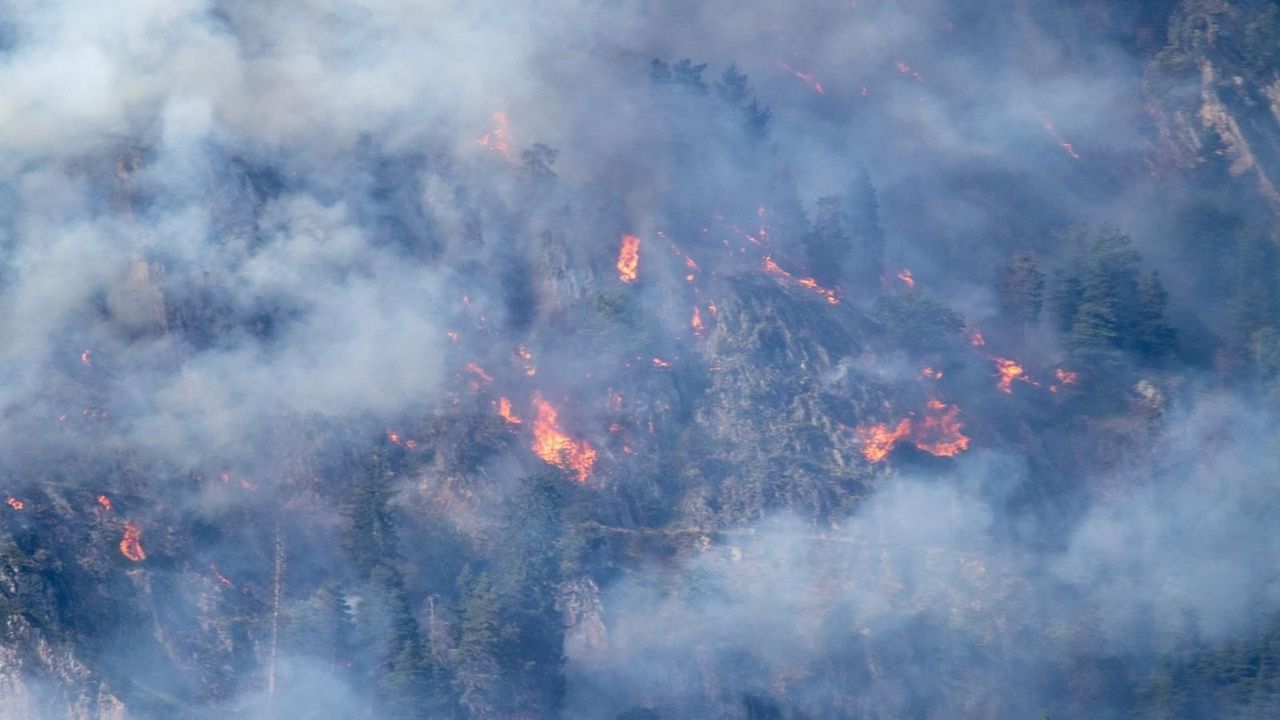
525 358
499 138
931 374
772 268
906 69
905 277
1009 371
976 339
15 503
555 447
479 372
879 440
105 502
131 543
1053 133
938 433
628 258
660 363
1066 377
696 322
807 78
504 411
85 359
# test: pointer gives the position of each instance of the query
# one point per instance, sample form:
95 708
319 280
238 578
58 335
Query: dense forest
640 361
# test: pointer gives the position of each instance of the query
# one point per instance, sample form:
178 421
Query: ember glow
879 440
15 503
85 359
1009 371
807 78
937 433
660 363
905 277
479 372
131 543
772 268
1066 377
1053 133
628 258
105 502
525 359
555 447
976 339
499 138
505 412
696 322
931 374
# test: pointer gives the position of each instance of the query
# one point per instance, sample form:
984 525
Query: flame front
105 502
555 447
772 268
504 411
131 543
1010 371
939 433
906 278
499 138
628 258
807 78
696 322
15 503
879 440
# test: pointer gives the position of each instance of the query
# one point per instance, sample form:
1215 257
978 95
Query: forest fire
879 440
696 322
555 447
1053 133
105 502
475 369
1009 371
1066 377
525 359
906 278
807 79
931 374
15 503
131 543
772 268
660 363
499 138
504 412
628 258
976 339
937 433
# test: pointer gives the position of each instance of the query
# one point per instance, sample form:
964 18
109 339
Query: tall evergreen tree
828 244
862 213
1020 287
1156 337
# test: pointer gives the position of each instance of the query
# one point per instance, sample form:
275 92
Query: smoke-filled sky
227 222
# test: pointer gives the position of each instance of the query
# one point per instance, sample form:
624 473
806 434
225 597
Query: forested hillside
640 361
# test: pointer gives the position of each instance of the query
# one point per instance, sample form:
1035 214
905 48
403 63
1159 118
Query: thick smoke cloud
231 228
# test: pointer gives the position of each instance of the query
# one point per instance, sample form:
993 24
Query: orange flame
1066 377
525 358
660 363
504 411
131 543
628 258
105 502
772 268
479 372
499 138
879 440
807 78
939 433
1009 371
976 339
931 374
696 322
1053 133
15 503
905 277
556 448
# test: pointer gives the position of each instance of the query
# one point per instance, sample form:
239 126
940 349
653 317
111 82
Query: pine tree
477 675
732 86
828 244
862 213
1156 337
1020 287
